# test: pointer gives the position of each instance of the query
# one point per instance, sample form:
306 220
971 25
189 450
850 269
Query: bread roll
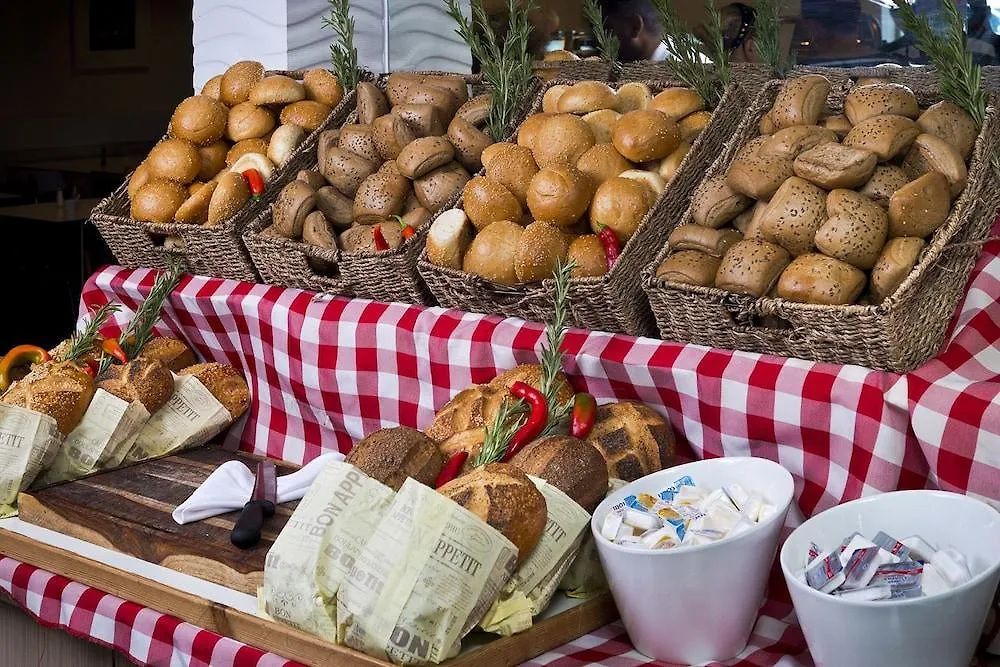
194 210
381 195
424 155
885 135
602 124
158 200
391 455
633 96
898 259
277 90
795 213
588 254
714 242
448 239
541 248
138 178
855 230
504 498
285 140
930 153
601 162
634 440
689 267
885 180
307 114
295 201
424 119
312 178
757 176
437 188
476 111
567 137
677 103
239 80
766 125
919 207
439 98
453 83
145 380
254 161
800 101
345 171
791 141
573 466
669 165
621 204
361 238
360 140
199 119
174 159
487 201
213 87
513 167
839 125
491 253
550 100
392 134
372 103
693 125
714 203
650 179
398 86
559 194
245 147
493 150
211 160
469 143
876 99
172 353
323 87
229 197
751 267
833 166
59 389
823 280
335 207
530 127
587 96
646 135
946 120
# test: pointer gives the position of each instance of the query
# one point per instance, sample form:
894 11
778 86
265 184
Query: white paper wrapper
192 416
530 590
108 425
28 442
585 576
317 547
424 579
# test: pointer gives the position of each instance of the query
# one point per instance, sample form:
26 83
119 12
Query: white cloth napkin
229 488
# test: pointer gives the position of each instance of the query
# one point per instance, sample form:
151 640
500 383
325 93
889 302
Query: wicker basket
613 302
212 251
572 70
899 334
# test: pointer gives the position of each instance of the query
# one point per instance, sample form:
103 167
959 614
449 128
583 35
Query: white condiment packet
858 541
932 582
612 522
951 565
753 506
641 520
737 494
690 495
866 594
919 548
660 538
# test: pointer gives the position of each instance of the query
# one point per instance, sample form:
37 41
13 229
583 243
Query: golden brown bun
876 99
145 380
248 121
239 80
839 125
172 353
503 497
392 134
757 176
833 166
438 187
560 55
766 126
295 201
566 138
312 178
602 124
587 96
469 143
424 119
391 455
885 135
323 87
212 160
669 165
588 253
886 179
138 178
621 204
689 267
213 87
487 201
634 440
491 254
372 103
573 466
952 123
194 210
800 101
175 159
245 147
714 242
199 119
345 170
541 247
59 389
276 89
381 195
677 103
513 167
496 149
919 207
307 114
224 383
550 100
633 96
158 200
335 207
693 125
751 267
714 203
602 162
476 110
796 211
897 261
641 136
559 194
855 230
819 279
791 141
448 239
930 153
229 197
362 237
424 155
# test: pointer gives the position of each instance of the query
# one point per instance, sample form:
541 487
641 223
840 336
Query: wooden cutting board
129 510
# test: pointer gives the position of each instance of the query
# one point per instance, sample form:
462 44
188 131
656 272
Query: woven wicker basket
212 251
572 70
897 335
613 302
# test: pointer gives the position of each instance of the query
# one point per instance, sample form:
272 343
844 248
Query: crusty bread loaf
173 353
59 389
93 354
225 383
573 466
634 440
503 497
390 455
145 380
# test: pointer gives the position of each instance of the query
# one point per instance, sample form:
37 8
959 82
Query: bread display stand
206 250
613 302
898 335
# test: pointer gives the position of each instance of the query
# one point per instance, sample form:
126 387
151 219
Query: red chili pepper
114 348
537 418
584 415
19 356
408 231
255 182
612 246
92 368
451 468
380 242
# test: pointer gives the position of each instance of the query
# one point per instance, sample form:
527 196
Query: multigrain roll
59 389
225 384
173 353
634 440
145 380
573 466
390 455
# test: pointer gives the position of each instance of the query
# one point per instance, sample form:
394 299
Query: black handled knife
246 532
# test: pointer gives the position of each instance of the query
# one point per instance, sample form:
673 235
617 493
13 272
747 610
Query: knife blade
246 532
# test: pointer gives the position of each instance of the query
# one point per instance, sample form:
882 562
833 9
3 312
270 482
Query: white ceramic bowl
937 631
696 604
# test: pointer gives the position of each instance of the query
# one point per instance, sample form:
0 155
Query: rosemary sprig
343 54
685 48
551 356
960 78
767 37
509 418
716 44
83 341
506 67
607 41
140 330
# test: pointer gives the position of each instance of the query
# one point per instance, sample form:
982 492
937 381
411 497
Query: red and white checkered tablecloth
326 371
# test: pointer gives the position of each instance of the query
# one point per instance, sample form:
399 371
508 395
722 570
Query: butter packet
29 441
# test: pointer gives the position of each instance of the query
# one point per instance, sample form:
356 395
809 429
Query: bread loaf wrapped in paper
28 441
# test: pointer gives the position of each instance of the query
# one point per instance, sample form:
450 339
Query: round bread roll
920 207
766 126
145 380
225 384
276 89
438 187
839 125
514 167
714 242
171 352
602 123
380 196
898 259
550 100
453 83
876 99
677 103
796 212
714 203
439 98
372 103
529 129
651 179
317 231
335 207
790 142
588 253
486 201
360 140
559 194
283 143
930 153
946 120
398 86
855 230
800 101
504 498
669 165
295 201
633 96
621 204
757 176
693 125
60 389
229 197
345 171
823 280
491 253
689 267
469 143
541 248
254 161
312 178
323 87
213 87
198 119
392 135
361 238
245 147
424 119
496 149
448 239
175 159
158 200
391 455
138 178
885 180
567 137
885 135
601 162
641 136
424 155
587 96
751 267
476 111
247 121
833 166
211 160
573 466
752 227
634 440
238 81
307 114
194 210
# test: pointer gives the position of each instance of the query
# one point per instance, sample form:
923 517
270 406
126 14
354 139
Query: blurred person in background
637 24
